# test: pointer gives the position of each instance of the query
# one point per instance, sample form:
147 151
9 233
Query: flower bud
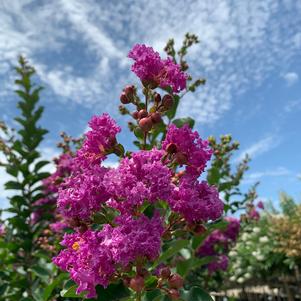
165 272
137 284
129 91
175 281
174 294
124 99
157 97
146 124
156 117
135 115
167 101
200 229
171 148
180 158
151 84
142 113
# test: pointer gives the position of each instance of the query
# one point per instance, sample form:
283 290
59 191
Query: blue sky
250 54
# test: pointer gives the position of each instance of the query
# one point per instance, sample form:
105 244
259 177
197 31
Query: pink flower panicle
188 143
82 193
260 205
64 167
92 257
196 201
137 179
150 67
220 240
99 140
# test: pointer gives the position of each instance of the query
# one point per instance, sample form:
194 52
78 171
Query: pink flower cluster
217 245
83 192
93 257
2 230
252 212
99 140
64 166
196 201
190 146
143 177
128 235
149 67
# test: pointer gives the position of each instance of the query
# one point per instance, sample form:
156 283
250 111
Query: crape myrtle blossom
121 216
196 201
139 178
149 67
92 257
83 192
217 245
64 167
100 140
2 230
189 147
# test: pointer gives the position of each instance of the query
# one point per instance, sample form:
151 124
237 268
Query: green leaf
13 185
151 282
185 266
172 112
12 170
71 292
213 176
40 271
198 239
182 121
49 289
155 295
196 294
173 249
138 132
112 292
40 164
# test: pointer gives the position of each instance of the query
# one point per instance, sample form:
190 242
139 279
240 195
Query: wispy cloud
279 171
261 175
260 147
291 78
95 36
292 105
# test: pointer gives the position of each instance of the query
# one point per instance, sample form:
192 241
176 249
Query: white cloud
279 171
260 147
241 44
291 78
292 105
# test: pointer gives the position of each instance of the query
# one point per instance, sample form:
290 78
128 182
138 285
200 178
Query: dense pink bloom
41 207
58 227
189 143
133 238
82 193
64 167
260 205
217 245
220 263
139 178
100 139
87 259
172 76
254 214
91 258
2 230
196 201
233 228
149 66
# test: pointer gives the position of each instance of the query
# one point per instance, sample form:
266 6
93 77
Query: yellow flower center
75 246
